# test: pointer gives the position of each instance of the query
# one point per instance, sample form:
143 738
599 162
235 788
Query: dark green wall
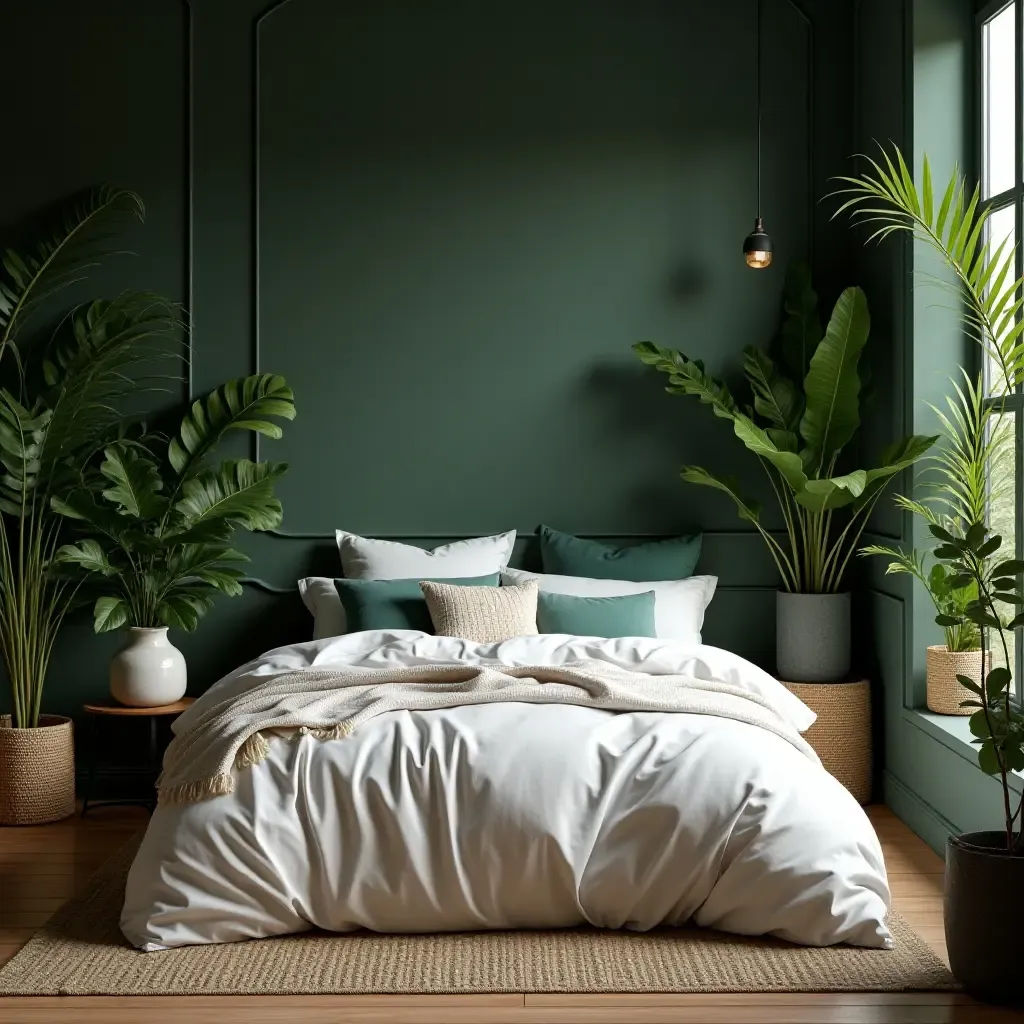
445 223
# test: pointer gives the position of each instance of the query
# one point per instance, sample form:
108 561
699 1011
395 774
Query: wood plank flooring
42 867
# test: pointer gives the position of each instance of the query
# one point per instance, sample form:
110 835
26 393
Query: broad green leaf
747 508
245 404
73 241
988 760
1012 567
832 386
997 681
775 396
239 491
970 684
135 482
900 456
832 492
88 555
687 377
109 613
788 464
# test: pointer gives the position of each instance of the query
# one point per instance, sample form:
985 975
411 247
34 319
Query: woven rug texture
81 952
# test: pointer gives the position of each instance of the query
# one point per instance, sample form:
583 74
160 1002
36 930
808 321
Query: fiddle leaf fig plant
160 519
804 410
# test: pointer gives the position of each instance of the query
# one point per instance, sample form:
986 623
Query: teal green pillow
394 604
566 555
630 615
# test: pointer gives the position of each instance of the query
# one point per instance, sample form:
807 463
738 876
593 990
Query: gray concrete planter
812 636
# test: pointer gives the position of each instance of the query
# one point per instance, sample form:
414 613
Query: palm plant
955 494
988 299
802 415
59 392
160 518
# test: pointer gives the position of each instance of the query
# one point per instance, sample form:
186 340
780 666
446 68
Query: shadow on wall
679 430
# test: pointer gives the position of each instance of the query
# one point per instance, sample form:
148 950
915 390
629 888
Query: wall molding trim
922 818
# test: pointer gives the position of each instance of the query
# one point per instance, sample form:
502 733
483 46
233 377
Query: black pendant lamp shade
757 246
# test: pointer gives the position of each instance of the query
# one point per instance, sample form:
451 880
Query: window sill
953 731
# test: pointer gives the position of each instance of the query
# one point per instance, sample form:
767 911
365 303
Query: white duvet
515 815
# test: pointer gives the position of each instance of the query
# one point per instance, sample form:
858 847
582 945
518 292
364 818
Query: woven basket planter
945 691
37 771
841 735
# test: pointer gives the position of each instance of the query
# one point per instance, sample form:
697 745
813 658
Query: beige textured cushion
483 614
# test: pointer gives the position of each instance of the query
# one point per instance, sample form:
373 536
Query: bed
515 813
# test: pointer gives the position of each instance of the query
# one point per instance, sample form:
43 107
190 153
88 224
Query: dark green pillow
629 615
394 604
566 555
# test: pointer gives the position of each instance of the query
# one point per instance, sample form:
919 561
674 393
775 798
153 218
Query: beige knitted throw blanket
229 736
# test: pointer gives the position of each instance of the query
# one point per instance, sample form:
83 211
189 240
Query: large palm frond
953 224
75 240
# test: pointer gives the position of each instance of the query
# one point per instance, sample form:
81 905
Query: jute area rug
81 952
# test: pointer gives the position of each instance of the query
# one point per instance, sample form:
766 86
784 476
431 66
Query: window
1001 163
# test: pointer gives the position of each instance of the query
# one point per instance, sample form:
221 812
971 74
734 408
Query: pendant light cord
759 109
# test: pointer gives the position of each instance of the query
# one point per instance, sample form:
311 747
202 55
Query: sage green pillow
566 555
629 615
394 604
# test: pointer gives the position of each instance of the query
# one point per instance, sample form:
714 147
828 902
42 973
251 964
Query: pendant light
757 246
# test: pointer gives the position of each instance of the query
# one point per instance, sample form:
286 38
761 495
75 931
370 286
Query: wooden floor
42 867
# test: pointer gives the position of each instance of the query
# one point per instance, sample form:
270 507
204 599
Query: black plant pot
983 911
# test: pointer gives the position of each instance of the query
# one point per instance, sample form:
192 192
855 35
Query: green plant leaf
970 684
88 555
244 404
758 441
747 508
1013 567
71 244
997 681
832 492
775 396
239 491
136 482
900 456
988 760
832 385
109 613
948 620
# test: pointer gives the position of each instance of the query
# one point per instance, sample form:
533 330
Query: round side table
104 712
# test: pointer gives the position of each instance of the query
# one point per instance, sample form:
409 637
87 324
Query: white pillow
363 558
321 598
678 604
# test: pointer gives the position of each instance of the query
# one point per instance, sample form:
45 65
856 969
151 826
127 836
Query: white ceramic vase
148 671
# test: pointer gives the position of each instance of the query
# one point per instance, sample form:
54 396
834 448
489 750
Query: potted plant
804 410
955 495
160 521
59 391
984 900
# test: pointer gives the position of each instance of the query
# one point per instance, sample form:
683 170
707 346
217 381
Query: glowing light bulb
757 247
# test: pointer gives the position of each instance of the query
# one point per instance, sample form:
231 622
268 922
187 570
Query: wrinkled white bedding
515 815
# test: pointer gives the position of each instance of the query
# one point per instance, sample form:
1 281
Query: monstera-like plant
802 411
161 519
